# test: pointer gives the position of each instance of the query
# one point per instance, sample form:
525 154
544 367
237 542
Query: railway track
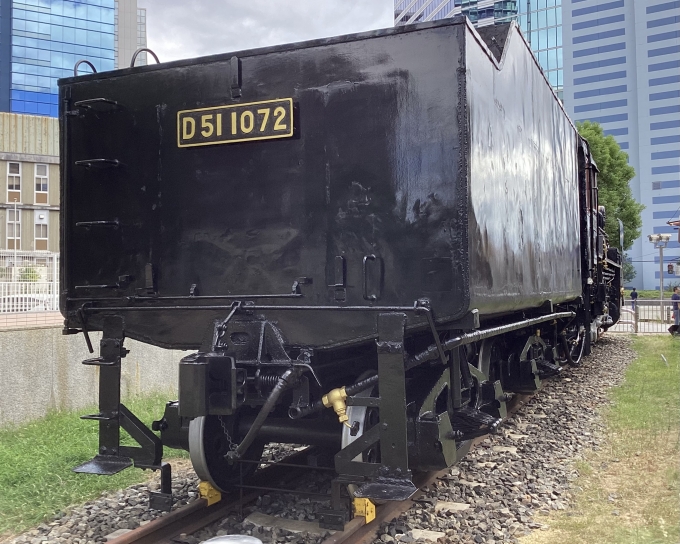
208 509
500 491
203 512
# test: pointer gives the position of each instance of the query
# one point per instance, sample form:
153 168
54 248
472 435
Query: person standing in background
633 298
676 310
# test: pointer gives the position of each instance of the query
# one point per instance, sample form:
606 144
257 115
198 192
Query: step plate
106 465
387 489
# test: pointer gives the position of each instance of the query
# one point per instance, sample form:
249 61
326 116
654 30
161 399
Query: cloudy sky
190 28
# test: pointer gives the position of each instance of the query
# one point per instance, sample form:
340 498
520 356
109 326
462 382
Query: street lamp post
660 241
14 267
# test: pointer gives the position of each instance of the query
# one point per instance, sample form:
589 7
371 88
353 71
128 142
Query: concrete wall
41 370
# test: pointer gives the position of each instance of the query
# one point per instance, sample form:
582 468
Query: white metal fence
646 317
29 281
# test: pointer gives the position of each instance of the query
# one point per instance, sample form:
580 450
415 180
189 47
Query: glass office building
478 11
41 40
540 21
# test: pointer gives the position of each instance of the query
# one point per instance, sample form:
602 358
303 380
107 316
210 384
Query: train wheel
210 438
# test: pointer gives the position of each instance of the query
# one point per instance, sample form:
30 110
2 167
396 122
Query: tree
629 272
614 192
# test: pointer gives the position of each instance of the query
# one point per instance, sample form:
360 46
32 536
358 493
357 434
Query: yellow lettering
188 128
233 122
206 125
280 114
265 114
219 124
247 121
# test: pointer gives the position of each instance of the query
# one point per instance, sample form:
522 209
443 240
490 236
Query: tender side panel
523 218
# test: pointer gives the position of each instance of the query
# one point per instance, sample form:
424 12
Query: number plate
266 120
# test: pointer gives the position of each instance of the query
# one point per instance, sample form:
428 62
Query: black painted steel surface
523 208
419 166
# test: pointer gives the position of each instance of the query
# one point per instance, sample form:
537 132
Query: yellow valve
336 399
365 508
209 493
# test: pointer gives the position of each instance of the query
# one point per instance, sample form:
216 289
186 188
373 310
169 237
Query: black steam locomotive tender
369 243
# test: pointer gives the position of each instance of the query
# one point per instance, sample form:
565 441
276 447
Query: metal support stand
392 386
108 461
162 500
339 513
112 416
391 478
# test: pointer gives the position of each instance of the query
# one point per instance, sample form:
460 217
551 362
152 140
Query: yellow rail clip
365 508
209 493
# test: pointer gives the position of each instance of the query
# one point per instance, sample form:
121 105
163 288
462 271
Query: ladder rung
99 361
99 417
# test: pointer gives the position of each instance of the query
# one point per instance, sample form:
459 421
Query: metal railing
29 281
645 317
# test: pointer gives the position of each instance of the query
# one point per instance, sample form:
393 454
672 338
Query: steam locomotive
369 243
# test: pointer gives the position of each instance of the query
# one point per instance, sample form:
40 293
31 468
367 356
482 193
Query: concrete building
130 33
540 21
41 42
622 69
29 182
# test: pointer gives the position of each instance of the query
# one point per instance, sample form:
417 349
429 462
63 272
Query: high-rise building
540 21
480 12
622 70
130 33
41 41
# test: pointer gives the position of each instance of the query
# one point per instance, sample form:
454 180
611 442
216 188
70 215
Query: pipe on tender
297 413
325 433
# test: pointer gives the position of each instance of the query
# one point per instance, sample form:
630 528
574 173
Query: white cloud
179 29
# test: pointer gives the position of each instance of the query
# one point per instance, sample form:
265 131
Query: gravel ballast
491 496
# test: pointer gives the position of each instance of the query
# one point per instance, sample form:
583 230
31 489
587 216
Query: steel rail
197 514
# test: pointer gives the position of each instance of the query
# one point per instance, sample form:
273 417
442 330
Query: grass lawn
649 294
36 480
627 492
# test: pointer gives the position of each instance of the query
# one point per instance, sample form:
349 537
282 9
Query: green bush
29 274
